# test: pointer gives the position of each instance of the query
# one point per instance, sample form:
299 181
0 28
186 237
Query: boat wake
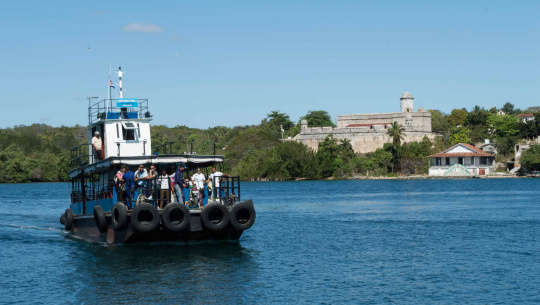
30 227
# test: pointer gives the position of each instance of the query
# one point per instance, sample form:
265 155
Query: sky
209 63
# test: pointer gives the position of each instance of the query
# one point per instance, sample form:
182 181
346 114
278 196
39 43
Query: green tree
478 116
503 125
396 133
439 122
457 117
460 135
530 159
318 118
508 108
275 120
333 158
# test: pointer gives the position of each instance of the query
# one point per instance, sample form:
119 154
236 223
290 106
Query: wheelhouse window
128 131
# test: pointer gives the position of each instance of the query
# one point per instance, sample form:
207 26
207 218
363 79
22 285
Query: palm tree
396 133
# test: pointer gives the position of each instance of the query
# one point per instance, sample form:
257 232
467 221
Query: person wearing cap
96 143
179 185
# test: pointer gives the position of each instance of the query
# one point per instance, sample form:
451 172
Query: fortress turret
407 102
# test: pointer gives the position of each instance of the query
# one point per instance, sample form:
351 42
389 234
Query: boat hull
85 227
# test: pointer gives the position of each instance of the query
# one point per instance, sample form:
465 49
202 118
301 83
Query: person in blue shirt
179 185
141 176
129 179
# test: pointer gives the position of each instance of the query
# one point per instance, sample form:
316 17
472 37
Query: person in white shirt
96 143
165 187
198 180
214 178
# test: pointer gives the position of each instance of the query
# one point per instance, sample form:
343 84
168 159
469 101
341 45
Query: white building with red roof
462 160
525 117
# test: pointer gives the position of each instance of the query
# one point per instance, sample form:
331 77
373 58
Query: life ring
175 217
99 218
243 215
68 219
145 217
215 216
63 219
119 216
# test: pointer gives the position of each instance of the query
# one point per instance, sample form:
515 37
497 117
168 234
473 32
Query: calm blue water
329 242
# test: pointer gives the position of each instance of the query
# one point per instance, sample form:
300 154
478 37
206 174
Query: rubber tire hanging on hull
119 216
146 224
99 217
175 217
243 215
63 219
215 216
69 219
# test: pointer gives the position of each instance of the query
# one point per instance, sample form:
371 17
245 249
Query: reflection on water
167 273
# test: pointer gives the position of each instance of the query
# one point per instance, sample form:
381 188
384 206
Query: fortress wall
344 120
367 139
361 142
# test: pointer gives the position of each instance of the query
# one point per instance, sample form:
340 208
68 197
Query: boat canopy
199 160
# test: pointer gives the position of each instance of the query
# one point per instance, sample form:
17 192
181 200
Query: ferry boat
108 206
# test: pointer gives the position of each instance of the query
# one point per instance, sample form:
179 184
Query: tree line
41 153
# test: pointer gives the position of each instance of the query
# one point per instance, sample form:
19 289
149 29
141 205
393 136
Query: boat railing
163 149
228 191
107 110
80 155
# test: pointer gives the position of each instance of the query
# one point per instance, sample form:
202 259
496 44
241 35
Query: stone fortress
367 132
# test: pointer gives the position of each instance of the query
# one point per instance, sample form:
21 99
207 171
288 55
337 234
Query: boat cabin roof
199 160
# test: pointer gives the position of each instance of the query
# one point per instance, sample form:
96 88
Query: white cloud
142 27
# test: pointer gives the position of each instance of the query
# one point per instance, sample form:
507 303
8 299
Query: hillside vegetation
41 153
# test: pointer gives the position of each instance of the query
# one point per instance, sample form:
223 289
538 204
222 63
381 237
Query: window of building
447 160
483 160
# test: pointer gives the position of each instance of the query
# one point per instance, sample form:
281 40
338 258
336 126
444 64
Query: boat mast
120 80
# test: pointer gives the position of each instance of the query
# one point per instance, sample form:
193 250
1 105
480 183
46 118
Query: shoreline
411 177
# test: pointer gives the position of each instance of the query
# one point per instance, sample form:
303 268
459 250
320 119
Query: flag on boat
111 84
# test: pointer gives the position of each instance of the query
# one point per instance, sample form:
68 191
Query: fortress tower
407 102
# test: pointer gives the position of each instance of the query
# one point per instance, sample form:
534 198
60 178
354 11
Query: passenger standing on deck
152 176
165 189
140 179
179 184
120 185
130 185
198 180
214 178
96 143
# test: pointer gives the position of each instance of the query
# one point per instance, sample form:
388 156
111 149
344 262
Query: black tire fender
63 219
119 216
215 216
145 217
176 217
69 219
99 218
243 215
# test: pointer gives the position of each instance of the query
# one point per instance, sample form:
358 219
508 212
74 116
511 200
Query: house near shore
462 160
525 117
